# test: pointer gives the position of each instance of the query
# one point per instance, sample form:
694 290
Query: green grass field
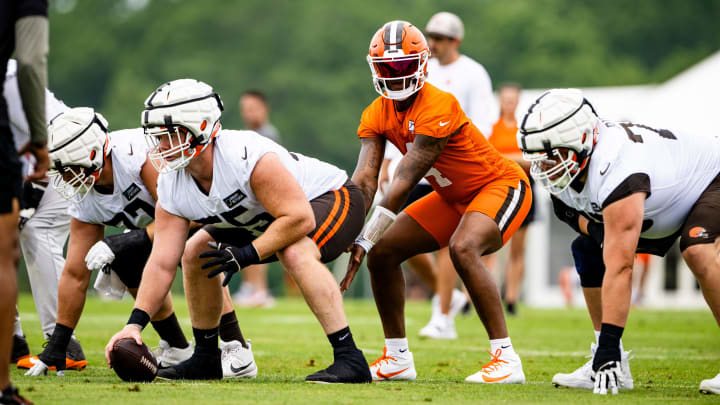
674 351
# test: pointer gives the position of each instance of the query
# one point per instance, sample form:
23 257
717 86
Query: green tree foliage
309 56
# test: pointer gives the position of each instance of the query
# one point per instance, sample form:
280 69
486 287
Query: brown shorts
703 223
339 218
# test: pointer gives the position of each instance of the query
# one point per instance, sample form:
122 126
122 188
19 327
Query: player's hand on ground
607 378
40 368
100 255
129 331
357 254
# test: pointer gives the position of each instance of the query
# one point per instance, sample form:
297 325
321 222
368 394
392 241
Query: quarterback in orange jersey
480 199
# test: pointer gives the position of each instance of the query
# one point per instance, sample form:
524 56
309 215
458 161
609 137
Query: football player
110 183
480 199
44 229
263 202
627 188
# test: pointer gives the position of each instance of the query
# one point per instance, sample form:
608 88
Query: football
133 363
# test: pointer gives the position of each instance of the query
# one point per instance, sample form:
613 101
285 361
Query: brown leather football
133 363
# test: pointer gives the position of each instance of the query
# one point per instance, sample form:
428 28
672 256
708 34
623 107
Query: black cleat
350 367
202 365
20 349
11 396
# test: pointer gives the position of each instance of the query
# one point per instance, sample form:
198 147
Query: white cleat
439 327
457 302
167 355
500 369
237 361
399 366
711 386
583 377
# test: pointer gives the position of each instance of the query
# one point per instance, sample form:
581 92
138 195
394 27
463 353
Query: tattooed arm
419 158
368 168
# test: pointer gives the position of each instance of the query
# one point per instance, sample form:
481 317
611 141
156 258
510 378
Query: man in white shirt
451 71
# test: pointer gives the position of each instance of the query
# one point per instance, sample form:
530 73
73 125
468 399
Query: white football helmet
77 146
557 136
187 112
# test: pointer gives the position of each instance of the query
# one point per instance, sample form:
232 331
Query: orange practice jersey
467 163
503 137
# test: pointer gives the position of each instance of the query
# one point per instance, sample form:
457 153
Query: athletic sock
396 346
504 345
60 338
597 336
206 340
342 339
230 329
170 331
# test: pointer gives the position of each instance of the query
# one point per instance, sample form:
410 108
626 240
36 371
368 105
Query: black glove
230 259
32 194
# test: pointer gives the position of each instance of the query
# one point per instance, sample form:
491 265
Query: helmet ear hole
203 125
92 155
584 137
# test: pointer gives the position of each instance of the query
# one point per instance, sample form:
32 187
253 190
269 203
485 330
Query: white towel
108 284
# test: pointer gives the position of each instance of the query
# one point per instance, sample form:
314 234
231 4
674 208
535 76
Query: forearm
397 194
31 51
154 286
283 232
617 283
368 185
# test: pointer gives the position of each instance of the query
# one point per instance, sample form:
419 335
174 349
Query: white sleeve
482 110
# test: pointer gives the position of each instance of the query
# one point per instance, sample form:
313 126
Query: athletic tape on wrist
379 222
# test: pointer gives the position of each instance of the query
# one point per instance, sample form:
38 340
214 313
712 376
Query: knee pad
588 257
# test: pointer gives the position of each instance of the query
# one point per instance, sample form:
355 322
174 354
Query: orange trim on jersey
329 218
341 219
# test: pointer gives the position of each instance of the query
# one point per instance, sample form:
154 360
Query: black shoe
466 308
11 396
510 308
201 365
350 366
20 349
74 350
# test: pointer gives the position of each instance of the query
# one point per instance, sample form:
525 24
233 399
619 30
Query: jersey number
637 138
131 211
255 226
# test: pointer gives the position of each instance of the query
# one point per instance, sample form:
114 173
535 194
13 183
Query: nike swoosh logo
495 379
346 335
239 369
402 351
131 150
390 375
210 336
505 347
442 124
245 157
603 171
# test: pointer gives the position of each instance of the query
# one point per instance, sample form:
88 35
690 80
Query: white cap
447 24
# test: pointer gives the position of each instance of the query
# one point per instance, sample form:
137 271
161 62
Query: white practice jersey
131 205
470 83
18 121
231 201
676 168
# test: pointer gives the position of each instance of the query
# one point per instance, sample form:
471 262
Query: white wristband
379 222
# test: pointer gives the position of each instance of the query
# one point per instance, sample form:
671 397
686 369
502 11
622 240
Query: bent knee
700 258
299 255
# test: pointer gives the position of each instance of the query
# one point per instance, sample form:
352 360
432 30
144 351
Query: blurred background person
503 138
254 290
23 29
469 82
